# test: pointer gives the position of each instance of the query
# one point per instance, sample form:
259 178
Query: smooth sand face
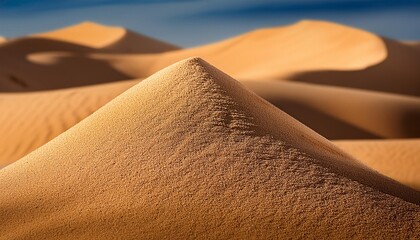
30 120
87 33
344 113
190 153
397 159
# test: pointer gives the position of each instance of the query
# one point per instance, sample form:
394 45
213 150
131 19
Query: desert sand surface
108 133
398 159
30 120
191 153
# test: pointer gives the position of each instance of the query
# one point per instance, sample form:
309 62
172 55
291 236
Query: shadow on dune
133 43
328 126
22 46
18 74
398 73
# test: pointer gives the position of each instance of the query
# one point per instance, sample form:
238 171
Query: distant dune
313 52
344 113
397 159
108 39
21 71
189 150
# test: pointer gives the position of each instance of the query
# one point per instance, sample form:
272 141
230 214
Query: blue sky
193 22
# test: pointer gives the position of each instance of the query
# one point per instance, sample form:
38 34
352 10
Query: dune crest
111 39
280 52
191 153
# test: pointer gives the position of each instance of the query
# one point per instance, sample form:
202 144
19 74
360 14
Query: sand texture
191 153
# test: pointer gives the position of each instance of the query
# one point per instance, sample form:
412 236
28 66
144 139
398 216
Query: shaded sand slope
342 113
398 73
190 153
398 159
19 73
30 120
109 39
413 44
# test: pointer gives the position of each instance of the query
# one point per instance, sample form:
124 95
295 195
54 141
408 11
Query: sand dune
190 153
414 44
309 51
2 39
353 114
397 159
109 39
30 120
278 53
343 113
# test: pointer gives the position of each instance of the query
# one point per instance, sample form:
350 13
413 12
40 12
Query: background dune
107 39
309 51
397 159
21 69
192 140
344 113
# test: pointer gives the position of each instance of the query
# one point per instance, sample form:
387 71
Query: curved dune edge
190 152
115 39
344 113
397 159
30 120
258 54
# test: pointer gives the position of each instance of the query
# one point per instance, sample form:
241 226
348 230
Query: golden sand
191 153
